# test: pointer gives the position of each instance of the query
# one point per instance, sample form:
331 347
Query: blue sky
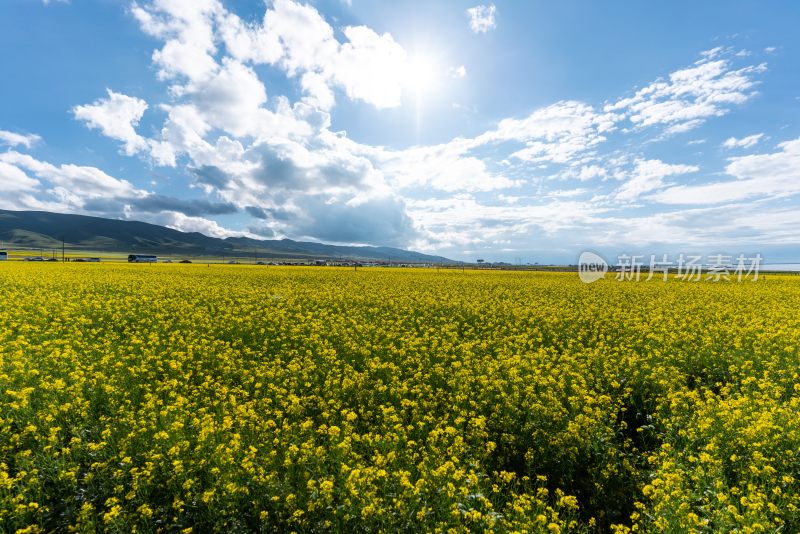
516 131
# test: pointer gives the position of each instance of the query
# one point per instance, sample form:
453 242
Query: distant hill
41 229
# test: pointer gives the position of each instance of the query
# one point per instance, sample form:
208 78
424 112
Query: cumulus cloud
367 66
371 67
482 18
189 48
231 100
116 117
745 142
330 193
227 94
249 42
290 166
28 183
377 220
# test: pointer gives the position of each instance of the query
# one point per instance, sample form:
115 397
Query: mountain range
41 229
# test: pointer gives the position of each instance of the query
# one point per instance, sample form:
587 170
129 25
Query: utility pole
62 250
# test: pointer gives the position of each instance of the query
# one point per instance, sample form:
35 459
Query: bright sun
421 75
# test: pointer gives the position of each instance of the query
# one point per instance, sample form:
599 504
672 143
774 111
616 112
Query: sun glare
421 75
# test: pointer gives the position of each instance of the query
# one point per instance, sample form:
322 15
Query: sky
507 131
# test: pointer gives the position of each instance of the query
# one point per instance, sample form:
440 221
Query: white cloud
555 133
367 66
116 117
648 175
185 223
14 179
692 95
781 165
319 93
463 221
231 100
18 139
481 18
249 43
78 181
745 142
306 38
757 175
184 132
186 27
681 127
588 172
441 167
370 67
83 189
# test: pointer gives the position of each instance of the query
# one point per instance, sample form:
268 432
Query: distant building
142 258
3 255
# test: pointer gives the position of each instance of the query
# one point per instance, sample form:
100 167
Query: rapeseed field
147 398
